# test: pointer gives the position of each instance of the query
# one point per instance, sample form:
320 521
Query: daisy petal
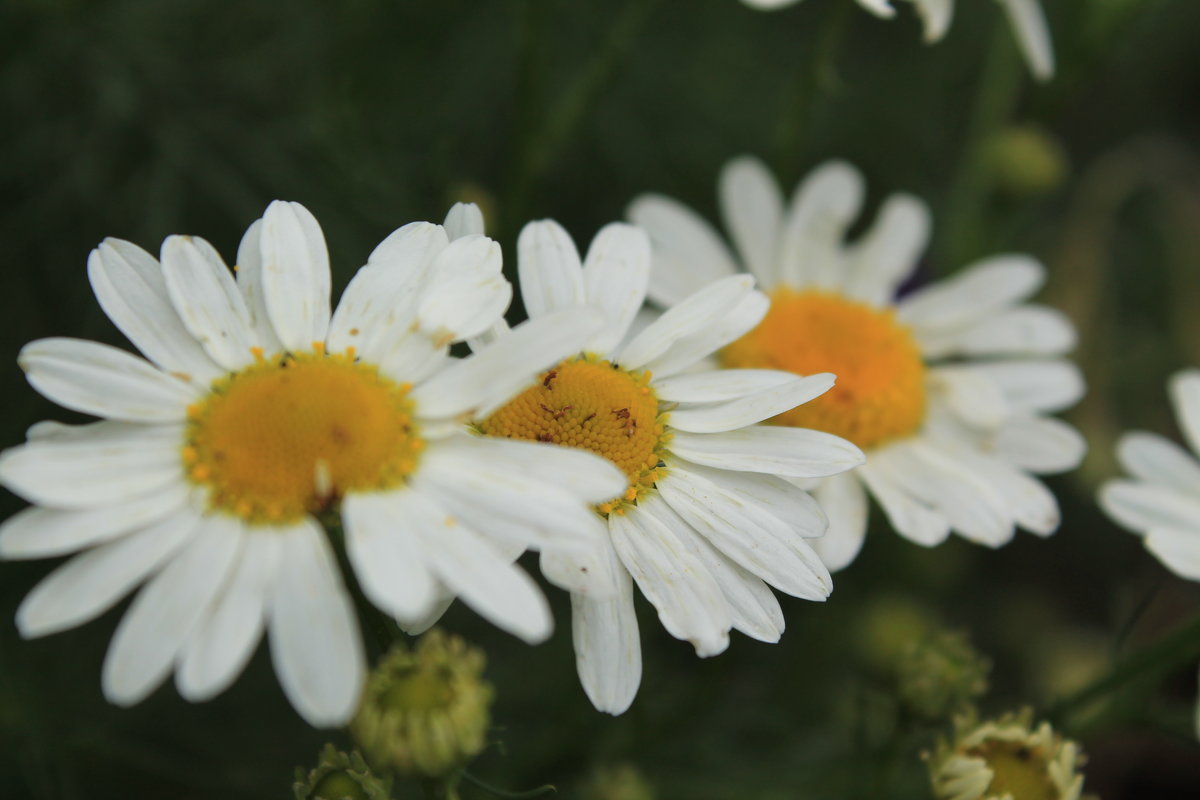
587 573
719 385
1184 391
250 281
120 461
466 294
103 381
790 452
1179 550
444 598
129 285
1036 385
936 15
614 276
749 409
909 516
760 542
782 499
970 395
46 532
168 610
224 641
496 373
845 502
91 583
887 253
691 350
1142 507
691 316
1026 330
608 652
548 268
982 289
295 275
386 554
463 219
752 206
689 602
592 478
208 300
688 253
823 207
1040 445
1155 459
314 636
1033 36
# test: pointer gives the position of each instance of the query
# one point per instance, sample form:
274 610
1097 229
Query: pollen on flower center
291 435
594 404
880 391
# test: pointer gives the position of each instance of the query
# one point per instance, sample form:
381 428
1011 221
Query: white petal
698 312
693 351
768 5
120 461
295 275
1155 459
496 373
45 532
936 15
752 206
168 610
615 273
879 8
129 285
463 219
751 536
749 409
490 336
103 381
782 498
548 268
971 395
719 385
688 254
587 573
222 644
608 652
386 554
792 452
1179 550
823 207
1033 36
1184 391
908 515
1025 330
1142 507
981 289
476 571
887 253
250 281
92 582
315 640
1040 445
444 599
465 294
1030 503
1035 385
208 300
844 501
689 602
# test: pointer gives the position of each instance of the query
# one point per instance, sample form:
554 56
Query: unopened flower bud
617 782
1006 758
340 776
424 711
940 674
1026 160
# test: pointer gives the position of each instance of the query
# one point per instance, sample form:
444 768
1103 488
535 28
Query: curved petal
615 274
687 253
386 554
690 351
465 293
463 219
910 516
888 252
1035 385
208 300
295 275
749 409
823 207
844 501
608 651
719 385
698 312
1184 391
548 268
752 206
250 281
791 452
1033 36
981 289
1155 459
1041 445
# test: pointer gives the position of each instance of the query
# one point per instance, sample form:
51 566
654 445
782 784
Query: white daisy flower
945 389
1161 502
1026 17
705 521
256 414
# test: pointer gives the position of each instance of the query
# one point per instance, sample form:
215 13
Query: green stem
966 201
818 75
1176 648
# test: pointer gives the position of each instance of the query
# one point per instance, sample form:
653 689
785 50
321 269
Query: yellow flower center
594 404
291 435
1018 770
880 391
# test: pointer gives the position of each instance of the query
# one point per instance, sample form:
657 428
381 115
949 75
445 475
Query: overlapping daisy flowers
267 449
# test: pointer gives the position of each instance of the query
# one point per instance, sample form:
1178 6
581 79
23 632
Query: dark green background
138 119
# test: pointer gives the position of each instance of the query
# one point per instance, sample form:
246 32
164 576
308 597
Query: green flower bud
425 711
340 776
1004 759
941 674
617 782
1026 160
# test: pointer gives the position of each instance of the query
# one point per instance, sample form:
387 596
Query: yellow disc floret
880 391
594 404
290 436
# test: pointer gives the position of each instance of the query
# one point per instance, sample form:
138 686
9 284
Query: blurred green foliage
137 119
